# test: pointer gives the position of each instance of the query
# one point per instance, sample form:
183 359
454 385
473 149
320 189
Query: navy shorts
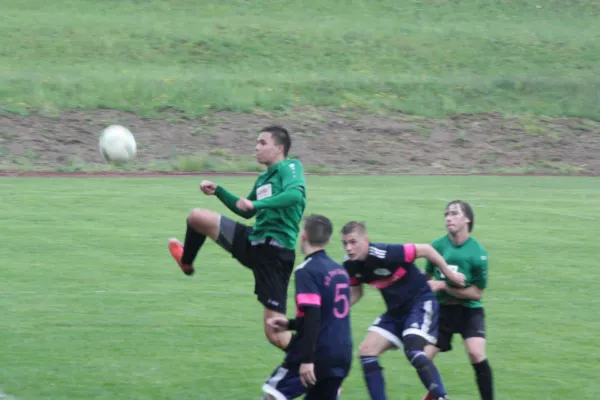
285 384
420 320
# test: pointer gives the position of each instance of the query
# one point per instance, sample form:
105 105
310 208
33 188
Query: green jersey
279 199
470 259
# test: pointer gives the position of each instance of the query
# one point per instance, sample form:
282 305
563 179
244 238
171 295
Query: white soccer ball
117 144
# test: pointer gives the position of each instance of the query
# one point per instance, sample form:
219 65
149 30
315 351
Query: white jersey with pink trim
390 268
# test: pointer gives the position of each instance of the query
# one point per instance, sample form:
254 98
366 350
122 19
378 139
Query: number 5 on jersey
341 296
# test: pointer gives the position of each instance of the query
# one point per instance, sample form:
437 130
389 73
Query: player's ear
303 235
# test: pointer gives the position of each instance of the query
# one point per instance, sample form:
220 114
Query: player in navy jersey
320 353
411 319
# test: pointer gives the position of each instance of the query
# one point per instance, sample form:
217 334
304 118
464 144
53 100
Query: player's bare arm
469 293
436 286
278 324
428 252
356 293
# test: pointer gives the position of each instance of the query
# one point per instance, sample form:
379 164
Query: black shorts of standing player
271 263
468 322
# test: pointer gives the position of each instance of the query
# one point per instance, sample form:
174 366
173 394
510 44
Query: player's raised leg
378 340
475 347
200 224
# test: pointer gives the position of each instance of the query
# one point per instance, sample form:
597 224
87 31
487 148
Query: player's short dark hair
318 229
466 210
281 136
354 226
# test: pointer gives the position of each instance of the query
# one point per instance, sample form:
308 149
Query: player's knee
414 350
197 216
203 221
475 349
431 351
278 339
476 355
368 348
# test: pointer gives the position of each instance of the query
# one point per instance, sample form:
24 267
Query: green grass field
95 308
430 58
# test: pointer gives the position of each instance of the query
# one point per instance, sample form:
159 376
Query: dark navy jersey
391 269
322 282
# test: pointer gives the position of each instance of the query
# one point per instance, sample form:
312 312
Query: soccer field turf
95 308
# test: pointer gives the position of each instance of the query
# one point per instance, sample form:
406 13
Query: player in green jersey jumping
461 309
277 200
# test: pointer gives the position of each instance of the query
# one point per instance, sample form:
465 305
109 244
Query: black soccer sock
193 241
483 374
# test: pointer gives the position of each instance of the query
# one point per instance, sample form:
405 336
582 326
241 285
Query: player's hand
437 286
278 324
307 374
208 187
457 278
244 205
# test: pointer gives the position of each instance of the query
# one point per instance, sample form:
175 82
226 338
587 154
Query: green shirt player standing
461 309
468 258
277 201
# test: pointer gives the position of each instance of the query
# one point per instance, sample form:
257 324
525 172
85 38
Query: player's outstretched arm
356 293
469 293
478 282
230 200
428 252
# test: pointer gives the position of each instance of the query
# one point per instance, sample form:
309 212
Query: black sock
483 374
193 241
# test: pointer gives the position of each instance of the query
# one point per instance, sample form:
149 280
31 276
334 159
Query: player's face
267 151
356 245
456 220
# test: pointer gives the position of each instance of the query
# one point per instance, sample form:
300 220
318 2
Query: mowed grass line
430 58
95 308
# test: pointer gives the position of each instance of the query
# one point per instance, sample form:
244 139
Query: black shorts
271 263
468 322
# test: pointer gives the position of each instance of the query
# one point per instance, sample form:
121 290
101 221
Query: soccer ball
117 144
